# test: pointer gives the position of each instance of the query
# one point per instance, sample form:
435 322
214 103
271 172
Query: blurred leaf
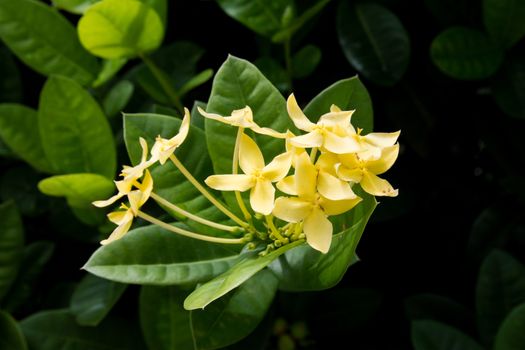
11 245
273 71
79 189
109 69
57 330
160 6
196 81
74 6
293 24
11 336
305 268
347 94
100 29
509 87
374 41
75 132
45 40
235 315
432 335
19 130
247 266
197 119
263 17
500 287
449 12
93 299
177 259
510 335
436 308
19 184
35 257
117 98
89 215
465 54
504 20
305 61
11 83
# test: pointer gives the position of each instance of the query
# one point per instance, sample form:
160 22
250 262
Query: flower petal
178 139
278 167
250 156
382 139
262 197
268 132
121 229
291 209
377 186
239 182
305 177
105 203
287 185
340 144
297 115
312 139
341 118
144 146
318 230
338 207
385 162
333 188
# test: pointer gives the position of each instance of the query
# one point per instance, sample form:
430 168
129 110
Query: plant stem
191 216
273 229
235 170
313 153
187 233
166 85
204 192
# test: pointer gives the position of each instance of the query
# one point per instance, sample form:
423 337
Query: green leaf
109 69
509 87
229 319
160 6
374 41
44 40
79 189
305 61
93 299
75 132
294 24
177 259
197 119
11 83
10 335
11 245
504 21
35 257
19 130
114 29
117 98
510 335
347 94
465 54
57 330
263 17
273 71
247 266
196 81
436 308
74 6
500 287
19 184
432 335
305 268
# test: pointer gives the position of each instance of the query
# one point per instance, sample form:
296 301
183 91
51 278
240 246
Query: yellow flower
311 207
243 118
372 144
353 168
164 148
331 133
256 177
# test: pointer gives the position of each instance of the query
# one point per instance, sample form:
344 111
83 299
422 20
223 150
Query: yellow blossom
164 148
256 177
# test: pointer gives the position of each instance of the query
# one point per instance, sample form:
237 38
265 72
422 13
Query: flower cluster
313 178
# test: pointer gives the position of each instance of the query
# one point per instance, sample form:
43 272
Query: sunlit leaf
117 98
74 6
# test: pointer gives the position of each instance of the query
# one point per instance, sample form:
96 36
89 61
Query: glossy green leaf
160 6
465 54
11 245
57 330
11 336
510 335
509 87
75 133
197 119
74 6
432 335
44 40
11 83
196 81
79 189
230 319
436 308
263 17
35 257
109 69
273 71
114 29
305 61
19 130
177 259
247 266
347 94
500 287
374 41
504 20
305 268
93 299
117 98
